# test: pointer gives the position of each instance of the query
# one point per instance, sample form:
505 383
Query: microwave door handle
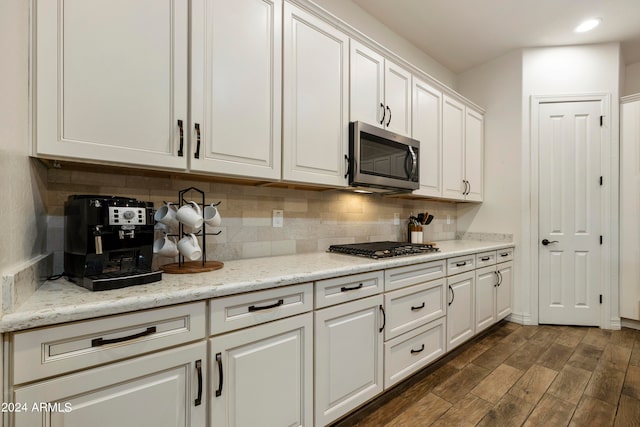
414 162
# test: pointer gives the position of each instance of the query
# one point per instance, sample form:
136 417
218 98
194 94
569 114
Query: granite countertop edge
60 301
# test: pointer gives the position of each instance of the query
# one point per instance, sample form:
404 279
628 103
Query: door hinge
601 121
601 180
600 239
600 298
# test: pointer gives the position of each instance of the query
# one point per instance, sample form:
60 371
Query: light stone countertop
61 301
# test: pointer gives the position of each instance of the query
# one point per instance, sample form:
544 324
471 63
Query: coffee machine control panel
119 215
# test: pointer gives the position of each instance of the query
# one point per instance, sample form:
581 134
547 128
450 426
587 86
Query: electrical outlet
396 219
278 218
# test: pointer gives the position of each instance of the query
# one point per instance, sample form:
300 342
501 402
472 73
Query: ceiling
461 34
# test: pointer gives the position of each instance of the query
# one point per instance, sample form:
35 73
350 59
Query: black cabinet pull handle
507 253
389 110
219 362
347 289
383 113
417 351
180 152
469 190
198 400
453 295
266 307
384 318
500 278
97 342
497 279
485 258
461 264
418 307
197 153
346 159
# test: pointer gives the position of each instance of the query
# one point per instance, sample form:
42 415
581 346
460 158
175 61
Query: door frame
609 314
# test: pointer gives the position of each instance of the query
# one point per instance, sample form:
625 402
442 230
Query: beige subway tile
256 249
283 247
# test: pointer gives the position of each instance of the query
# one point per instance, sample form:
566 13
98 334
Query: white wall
497 86
362 21
21 181
632 79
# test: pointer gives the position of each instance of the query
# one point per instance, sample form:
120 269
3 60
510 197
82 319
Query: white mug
211 215
190 215
189 247
165 246
166 215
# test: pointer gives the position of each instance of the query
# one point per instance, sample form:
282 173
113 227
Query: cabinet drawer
461 264
244 310
411 307
348 288
412 351
400 277
55 350
504 255
484 259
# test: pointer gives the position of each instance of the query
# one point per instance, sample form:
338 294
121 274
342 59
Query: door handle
546 242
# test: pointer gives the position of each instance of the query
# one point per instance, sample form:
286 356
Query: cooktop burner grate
383 249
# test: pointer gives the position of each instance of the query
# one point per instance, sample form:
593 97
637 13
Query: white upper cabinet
380 91
316 100
111 80
235 127
462 148
427 128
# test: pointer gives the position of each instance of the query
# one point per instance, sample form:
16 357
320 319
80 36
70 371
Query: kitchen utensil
165 246
189 247
212 215
429 219
166 215
190 215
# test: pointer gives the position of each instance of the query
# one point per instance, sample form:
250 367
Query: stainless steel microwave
382 161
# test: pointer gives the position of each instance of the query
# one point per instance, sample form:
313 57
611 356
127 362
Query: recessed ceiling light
588 25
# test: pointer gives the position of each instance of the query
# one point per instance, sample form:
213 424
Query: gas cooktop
384 249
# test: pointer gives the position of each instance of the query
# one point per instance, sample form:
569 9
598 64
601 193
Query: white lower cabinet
504 290
460 310
493 294
164 389
348 357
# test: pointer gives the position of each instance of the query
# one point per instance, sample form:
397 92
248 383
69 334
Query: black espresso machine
108 242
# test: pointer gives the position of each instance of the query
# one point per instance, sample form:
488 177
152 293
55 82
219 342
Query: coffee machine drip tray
117 280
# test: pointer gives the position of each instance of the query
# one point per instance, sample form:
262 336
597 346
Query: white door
158 390
348 357
461 310
485 300
236 87
453 125
316 100
263 376
366 85
569 213
111 80
504 289
397 98
473 154
427 128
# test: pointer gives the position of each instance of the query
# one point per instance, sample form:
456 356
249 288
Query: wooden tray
191 267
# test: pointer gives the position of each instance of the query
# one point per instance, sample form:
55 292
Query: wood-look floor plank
466 413
457 386
510 411
623 337
533 384
497 383
427 410
635 354
586 357
616 357
525 357
597 337
605 384
550 412
495 356
570 383
628 412
593 412
571 336
555 357
545 336
631 385
468 355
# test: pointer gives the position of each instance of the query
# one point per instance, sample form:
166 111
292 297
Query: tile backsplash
313 220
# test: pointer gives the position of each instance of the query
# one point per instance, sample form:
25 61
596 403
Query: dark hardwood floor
517 375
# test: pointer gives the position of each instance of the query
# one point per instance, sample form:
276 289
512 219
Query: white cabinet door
474 154
397 96
453 122
159 390
366 85
485 300
236 89
427 128
504 290
111 81
263 376
316 101
348 357
460 313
